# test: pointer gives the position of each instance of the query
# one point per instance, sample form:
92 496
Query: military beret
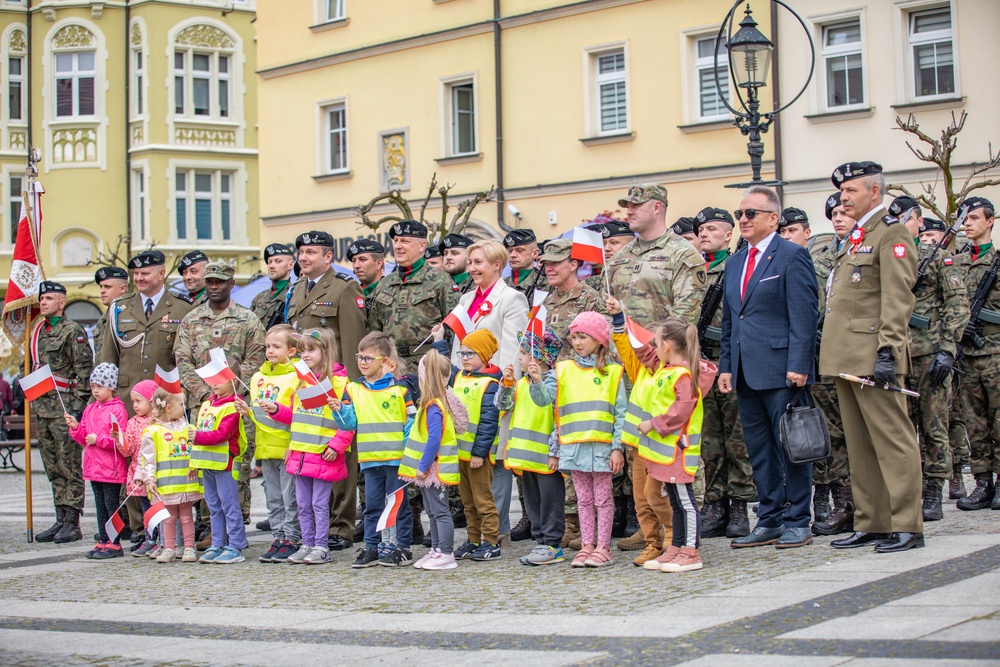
683 226
640 194
518 237
408 228
108 272
276 249
190 259
47 286
932 225
972 203
616 228
712 213
220 271
455 241
792 216
147 258
556 250
432 251
361 246
851 170
832 202
314 238
901 205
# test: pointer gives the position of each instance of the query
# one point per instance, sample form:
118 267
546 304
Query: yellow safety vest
216 457
447 456
530 428
173 457
660 395
585 402
636 412
470 390
313 428
273 383
381 418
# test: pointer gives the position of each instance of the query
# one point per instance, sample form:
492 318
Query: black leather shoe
858 539
338 543
758 537
900 542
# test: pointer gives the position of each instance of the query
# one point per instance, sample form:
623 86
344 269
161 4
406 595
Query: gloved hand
885 368
940 369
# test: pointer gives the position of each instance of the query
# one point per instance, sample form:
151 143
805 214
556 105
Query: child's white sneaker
430 555
190 556
317 556
442 562
166 556
299 556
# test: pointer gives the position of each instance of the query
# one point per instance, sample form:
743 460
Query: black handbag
803 430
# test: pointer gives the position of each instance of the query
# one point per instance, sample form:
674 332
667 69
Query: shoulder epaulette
343 276
889 220
183 297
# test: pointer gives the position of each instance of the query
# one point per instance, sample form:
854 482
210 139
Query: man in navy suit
769 313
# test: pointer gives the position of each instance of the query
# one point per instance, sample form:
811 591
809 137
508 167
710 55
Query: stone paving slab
893 622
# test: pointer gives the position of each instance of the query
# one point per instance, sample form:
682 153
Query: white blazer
507 317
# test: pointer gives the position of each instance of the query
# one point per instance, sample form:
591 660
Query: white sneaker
166 556
442 562
299 556
317 556
430 555
190 556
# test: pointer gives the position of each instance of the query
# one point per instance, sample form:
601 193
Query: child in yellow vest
274 384
164 468
533 448
590 413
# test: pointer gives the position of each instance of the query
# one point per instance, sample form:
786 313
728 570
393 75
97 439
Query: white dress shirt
761 247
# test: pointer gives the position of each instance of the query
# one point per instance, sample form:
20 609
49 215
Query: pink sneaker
429 556
442 562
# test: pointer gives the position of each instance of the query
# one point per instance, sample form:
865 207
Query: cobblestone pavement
817 606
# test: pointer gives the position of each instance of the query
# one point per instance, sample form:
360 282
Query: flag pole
29 518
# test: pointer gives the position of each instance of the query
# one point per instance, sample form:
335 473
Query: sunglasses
751 213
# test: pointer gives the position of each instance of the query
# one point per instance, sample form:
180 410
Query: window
138 74
15 206
335 119
931 53
203 202
139 199
334 10
708 64
201 84
75 76
610 91
15 88
842 64
462 118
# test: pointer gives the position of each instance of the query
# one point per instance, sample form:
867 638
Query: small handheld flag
116 431
217 370
114 526
588 246
458 320
155 515
315 396
637 336
168 380
393 502
304 372
38 383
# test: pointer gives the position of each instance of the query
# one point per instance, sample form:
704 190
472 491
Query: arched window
74 93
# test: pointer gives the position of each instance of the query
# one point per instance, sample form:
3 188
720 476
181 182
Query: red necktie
751 264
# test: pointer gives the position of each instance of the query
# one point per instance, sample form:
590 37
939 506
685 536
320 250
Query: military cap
48 286
432 251
640 194
616 228
408 228
276 249
190 259
455 241
972 203
851 170
932 225
832 202
556 250
314 238
108 272
792 216
220 271
901 205
361 246
683 226
712 213
518 237
147 258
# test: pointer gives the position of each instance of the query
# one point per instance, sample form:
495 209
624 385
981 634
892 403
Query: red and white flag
114 526
315 396
537 315
168 380
116 431
588 246
458 320
155 515
26 268
393 502
217 370
637 336
304 372
38 383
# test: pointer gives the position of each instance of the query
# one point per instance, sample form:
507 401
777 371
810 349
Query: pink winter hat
146 389
594 325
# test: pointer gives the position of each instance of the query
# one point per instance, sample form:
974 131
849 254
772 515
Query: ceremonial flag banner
25 269
38 383
588 246
155 515
315 396
114 526
168 380
637 336
217 370
393 502
459 321
303 371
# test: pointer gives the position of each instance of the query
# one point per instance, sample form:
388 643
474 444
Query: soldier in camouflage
367 258
434 258
269 305
522 251
455 250
616 235
192 270
62 344
113 283
684 228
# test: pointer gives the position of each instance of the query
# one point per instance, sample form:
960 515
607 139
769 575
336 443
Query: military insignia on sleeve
701 275
899 250
360 301
81 339
455 288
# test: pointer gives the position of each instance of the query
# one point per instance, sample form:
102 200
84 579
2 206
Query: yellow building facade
562 105
145 114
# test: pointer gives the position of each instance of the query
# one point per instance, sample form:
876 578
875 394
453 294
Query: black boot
981 496
631 520
621 517
70 531
458 516
715 518
932 499
821 502
418 525
841 517
739 522
956 485
359 529
522 530
49 533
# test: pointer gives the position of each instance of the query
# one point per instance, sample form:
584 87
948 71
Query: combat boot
821 502
521 530
956 485
633 542
458 516
631 520
572 529
418 525
739 522
49 533
715 518
981 496
932 499
841 517
621 517
70 531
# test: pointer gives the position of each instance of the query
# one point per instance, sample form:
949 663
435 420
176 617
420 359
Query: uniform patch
455 288
899 250
865 249
81 339
948 261
360 301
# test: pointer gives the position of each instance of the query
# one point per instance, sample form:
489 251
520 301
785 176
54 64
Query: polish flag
393 502
459 321
38 383
26 267
304 372
637 336
114 526
155 515
168 380
588 246
315 396
217 370
116 431
537 315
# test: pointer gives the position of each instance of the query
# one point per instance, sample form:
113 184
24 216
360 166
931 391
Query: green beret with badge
109 272
50 287
277 249
901 205
683 226
455 241
316 238
147 258
408 229
361 246
851 170
710 213
832 202
519 237
793 216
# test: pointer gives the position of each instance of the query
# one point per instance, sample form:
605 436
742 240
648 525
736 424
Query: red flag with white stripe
315 396
155 515
458 320
168 380
38 383
393 502
588 245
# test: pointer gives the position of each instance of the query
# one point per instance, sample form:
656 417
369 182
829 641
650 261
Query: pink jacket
104 461
133 438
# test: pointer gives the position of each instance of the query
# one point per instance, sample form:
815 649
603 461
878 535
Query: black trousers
545 502
106 495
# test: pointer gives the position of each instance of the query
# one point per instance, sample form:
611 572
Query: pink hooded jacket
105 460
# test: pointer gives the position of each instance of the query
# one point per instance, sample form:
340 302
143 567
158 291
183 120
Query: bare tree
940 153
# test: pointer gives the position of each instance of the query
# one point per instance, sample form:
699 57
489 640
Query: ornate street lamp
750 54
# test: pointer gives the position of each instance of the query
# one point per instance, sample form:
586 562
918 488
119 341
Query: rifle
922 321
707 334
973 334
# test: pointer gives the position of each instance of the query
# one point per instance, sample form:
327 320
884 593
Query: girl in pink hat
142 406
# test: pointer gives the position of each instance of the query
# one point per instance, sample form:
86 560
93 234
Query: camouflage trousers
834 469
63 462
728 473
957 436
929 415
981 407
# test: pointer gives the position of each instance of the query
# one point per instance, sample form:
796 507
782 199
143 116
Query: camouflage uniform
102 324
958 439
532 280
64 347
562 308
269 305
595 281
